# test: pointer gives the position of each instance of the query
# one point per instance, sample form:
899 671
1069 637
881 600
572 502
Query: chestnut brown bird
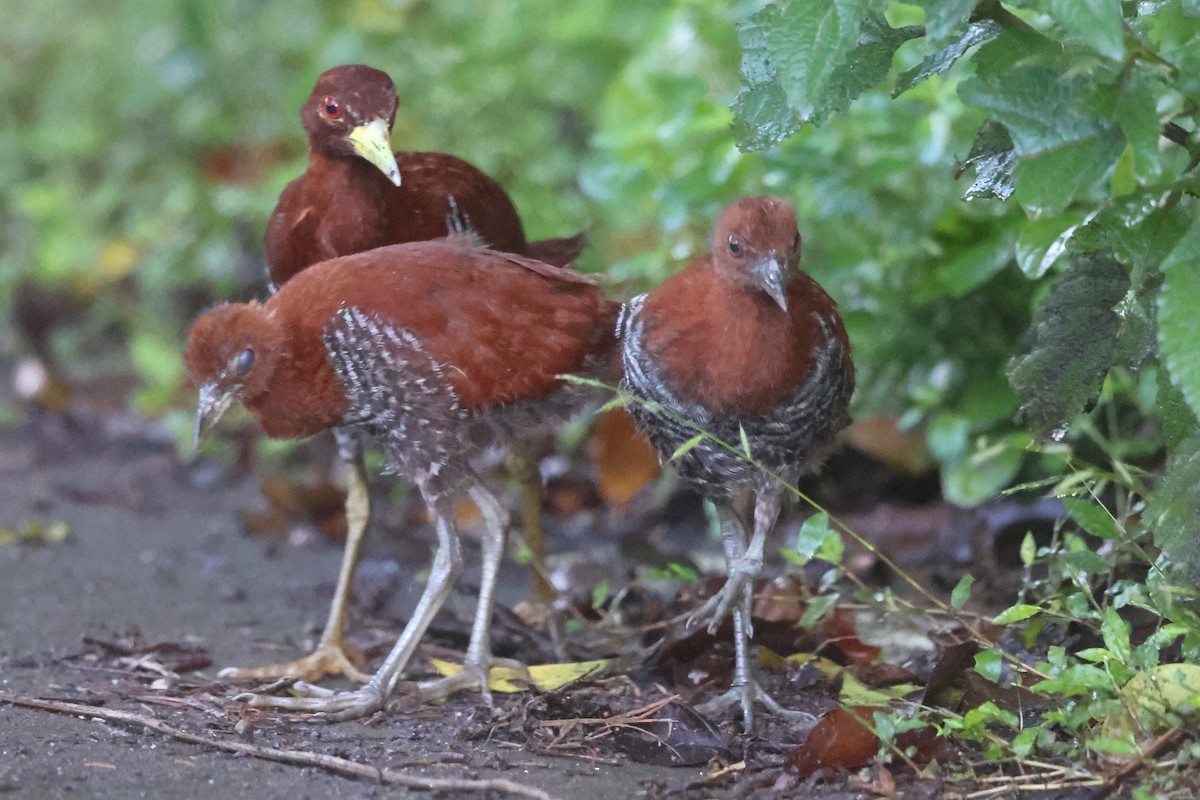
433 350
745 347
357 195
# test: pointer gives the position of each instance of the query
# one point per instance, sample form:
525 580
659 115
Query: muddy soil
151 558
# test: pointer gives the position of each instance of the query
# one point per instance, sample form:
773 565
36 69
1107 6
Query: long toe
745 696
325 704
716 608
330 658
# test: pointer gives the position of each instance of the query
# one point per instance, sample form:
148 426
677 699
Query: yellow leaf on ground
546 677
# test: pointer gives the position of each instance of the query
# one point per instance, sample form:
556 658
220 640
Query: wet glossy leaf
979 32
1172 513
994 159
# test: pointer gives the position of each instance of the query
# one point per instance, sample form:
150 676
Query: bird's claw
330 658
717 607
327 705
745 695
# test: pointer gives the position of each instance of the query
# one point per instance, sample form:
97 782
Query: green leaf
994 159
988 663
745 441
762 115
1092 517
961 592
1017 613
1174 414
1042 242
1173 509
812 536
1179 315
985 472
1115 632
1074 331
1048 181
944 19
865 66
1096 23
808 43
979 32
1038 106
1029 549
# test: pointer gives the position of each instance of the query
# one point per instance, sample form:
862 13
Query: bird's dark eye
734 247
796 241
244 363
332 108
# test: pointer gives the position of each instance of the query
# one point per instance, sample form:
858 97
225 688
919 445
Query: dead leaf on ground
676 736
625 461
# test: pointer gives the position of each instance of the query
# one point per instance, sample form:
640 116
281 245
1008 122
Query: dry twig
340 766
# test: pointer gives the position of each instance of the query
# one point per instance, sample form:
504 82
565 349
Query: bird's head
231 354
756 246
350 113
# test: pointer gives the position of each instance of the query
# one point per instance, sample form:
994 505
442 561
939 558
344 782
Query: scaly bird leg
733 541
479 660
523 466
332 656
339 706
747 560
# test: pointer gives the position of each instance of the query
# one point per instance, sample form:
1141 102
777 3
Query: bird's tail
559 252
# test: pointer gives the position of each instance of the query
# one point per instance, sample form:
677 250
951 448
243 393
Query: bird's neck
336 173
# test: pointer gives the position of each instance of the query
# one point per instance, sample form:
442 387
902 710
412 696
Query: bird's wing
395 391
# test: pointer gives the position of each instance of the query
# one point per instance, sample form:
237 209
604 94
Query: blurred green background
145 143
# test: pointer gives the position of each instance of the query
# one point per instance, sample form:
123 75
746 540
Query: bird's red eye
332 108
734 247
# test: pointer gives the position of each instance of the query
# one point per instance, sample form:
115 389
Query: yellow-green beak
373 141
213 403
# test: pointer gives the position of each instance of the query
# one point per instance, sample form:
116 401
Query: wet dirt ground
152 558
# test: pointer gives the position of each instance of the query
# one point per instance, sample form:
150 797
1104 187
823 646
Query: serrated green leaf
865 66
1174 414
961 592
1172 513
1017 613
979 32
1038 106
762 115
809 41
1179 316
1074 331
1049 180
1096 23
688 445
994 159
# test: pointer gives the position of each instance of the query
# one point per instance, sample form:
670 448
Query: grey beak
213 403
769 274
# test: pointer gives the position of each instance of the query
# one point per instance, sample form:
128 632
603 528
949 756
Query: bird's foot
330 658
474 676
327 705
745 695
741 576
